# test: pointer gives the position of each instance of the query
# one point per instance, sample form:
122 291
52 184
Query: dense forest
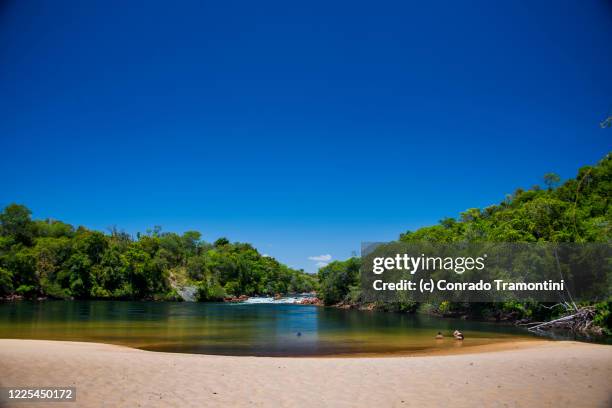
49 258
576 211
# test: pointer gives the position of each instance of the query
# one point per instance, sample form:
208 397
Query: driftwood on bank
579 322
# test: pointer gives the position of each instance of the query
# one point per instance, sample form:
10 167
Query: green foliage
444 307
6 282
551 180
520 309
337 279
51 258
15 222
232 288
210 292
576 211
603 318
27 291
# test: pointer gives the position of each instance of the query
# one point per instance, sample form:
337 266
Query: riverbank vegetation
576 211
49 258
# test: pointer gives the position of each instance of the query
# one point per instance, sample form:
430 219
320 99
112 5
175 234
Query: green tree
337 279
15 222
551 180
6 282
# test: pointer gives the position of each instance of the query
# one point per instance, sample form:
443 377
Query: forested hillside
50 258
576 211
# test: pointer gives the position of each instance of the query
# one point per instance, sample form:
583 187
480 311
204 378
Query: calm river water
241 329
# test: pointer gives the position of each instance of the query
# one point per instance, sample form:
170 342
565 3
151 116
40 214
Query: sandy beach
528 375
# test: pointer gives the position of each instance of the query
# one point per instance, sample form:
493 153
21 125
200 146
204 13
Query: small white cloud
321 258
321 264
266 256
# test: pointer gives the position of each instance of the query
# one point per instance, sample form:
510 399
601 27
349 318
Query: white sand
537 374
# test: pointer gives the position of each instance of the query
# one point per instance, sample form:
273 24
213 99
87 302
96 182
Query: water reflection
240 329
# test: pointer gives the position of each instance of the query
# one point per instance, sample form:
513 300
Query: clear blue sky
302 127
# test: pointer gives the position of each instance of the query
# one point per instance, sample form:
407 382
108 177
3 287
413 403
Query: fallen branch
529 323
578 322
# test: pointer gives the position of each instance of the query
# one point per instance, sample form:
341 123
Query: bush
171 296
209 292
603 317
232 288
124 292
54 290
100 292
27 291
337 279
6 282
517 309
444 307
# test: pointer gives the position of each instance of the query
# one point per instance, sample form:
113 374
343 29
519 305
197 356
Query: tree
15 222
51 258
221 242
191 241
6 282
551 180
337 278
78 275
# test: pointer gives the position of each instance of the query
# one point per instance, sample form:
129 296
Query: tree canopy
54 259
576 211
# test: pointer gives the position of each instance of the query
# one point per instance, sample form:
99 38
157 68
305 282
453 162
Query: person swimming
439 336
458 335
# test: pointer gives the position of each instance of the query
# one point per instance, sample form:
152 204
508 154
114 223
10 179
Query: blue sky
304 128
